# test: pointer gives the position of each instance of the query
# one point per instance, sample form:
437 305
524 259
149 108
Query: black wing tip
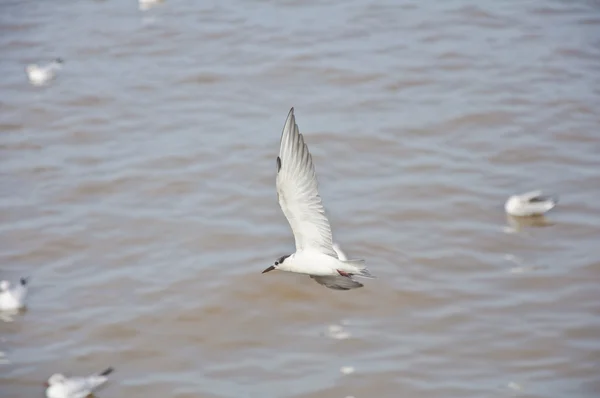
278 164
107 371
544 198
24 281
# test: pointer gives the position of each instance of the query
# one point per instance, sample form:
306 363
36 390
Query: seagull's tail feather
96 380
553 199
542 205
358 268
539 197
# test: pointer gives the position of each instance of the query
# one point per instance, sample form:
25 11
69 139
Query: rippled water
137 191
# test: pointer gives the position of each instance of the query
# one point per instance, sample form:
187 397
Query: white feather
338 250
297 192
12 297
147 4
60 386
298 196
40 75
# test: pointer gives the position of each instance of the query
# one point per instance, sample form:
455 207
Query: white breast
312 262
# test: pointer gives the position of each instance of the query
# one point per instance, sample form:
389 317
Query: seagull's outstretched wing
297 192
337 282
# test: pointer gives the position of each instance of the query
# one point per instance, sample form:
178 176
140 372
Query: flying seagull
533 203
298 195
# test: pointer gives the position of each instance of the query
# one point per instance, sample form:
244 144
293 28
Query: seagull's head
278 263
4 286
56 378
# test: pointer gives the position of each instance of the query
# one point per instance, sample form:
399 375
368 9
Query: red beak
46 384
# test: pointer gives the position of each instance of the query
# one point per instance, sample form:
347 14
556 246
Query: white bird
297 192
40 75
147 4
59 386
12 298
532 203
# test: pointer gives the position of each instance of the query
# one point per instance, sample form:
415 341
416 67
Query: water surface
137 191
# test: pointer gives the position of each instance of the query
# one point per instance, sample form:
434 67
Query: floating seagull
12 298
59 386
147 4
529 204
297 192
40 75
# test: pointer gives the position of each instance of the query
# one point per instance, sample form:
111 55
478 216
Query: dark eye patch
280 259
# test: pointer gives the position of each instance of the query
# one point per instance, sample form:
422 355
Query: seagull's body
316 263
59 386
12 298
533 203
40 75
297 192
146 4
338 282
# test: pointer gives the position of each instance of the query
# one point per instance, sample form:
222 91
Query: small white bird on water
298 195
40 75
59 386
147 4
533 203
12 298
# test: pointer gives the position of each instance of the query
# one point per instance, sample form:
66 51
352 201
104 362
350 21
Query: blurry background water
137 191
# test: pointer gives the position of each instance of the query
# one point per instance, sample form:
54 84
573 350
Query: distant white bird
529 204
297 192
59 386
147 4
40 75
12 298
